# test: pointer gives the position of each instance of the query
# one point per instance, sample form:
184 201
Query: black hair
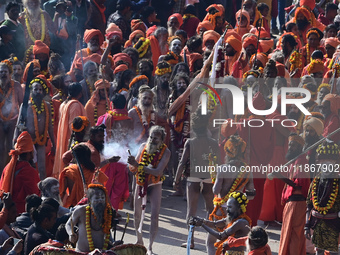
127 74
190 9
54 64
290 39
74 90
96 129
317 54
262 6
119 101
83 154
122 4
32 201
175 70
42 212
331 26
317 30
52 202
182 33
146 60
194 42
289 27
134 54
258 237
10 5
174 81
147 11
58 81
61 234
330 6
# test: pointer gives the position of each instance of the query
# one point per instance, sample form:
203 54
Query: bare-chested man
153 156
228 181
11 97
90 77
143 115
93 216
236 222
39 122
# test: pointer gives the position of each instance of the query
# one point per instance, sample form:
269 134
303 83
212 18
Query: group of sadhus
127 116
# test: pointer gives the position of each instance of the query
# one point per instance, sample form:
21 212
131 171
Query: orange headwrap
120 68
112 27
132 36
95 57
40 48
206 24
102 84
210 35
235 147
297 139
114 33
261 57
248 41
307 14
90 33
192 59
245 14
122 56
137 79
235 43
178 17
36 64
218 7
232 32
309 4
137 24
266 45
316 66
24 144
280 69
335 102
151 30
86 122
263 33
332 41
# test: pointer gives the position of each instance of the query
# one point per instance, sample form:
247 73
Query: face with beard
97 141
233 209
310 135
294 113
326 108
322 93
144 69
4 75
33 6
229 50
17 72
92 73
181 86
154 142
97 202
53 192
164 81
37 92
294 149
93 44
301 21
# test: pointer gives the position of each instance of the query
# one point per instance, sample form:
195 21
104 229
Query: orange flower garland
40 139
89 86
10 94
295 61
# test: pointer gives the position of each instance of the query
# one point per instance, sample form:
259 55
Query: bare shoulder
17 85
79 210
132 112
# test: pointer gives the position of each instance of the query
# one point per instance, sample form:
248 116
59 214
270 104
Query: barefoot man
153 156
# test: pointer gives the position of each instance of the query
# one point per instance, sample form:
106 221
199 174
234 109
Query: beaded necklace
29 30
40 139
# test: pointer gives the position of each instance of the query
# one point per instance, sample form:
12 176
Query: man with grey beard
92 215
143 115
50 188
90 77
148 166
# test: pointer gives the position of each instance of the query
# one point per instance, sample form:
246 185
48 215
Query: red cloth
122 56
156 51
137 24
120 68
280 69
118 184
265 250
128 43
25 182
40 48
192 59
36 64
332 123
323 19
190 26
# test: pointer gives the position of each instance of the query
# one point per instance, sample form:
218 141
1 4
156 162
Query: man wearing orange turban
232 52
99 102
329 108
42 52
175 21
249 45
94 39
242 22
134 37
331 44
138 24
209 39
204 26
19 177
261 60
36 69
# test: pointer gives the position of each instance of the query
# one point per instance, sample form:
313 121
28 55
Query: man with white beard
148 166
90 78
36 22
50 188
143 115
11 98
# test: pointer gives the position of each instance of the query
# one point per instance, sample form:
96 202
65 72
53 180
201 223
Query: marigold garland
89 86
43 27
9 65
40 139
52 113
332 197
10 94
106 226
295 61
147 123
162 71
312 65
324 85
41 82
86 122
142 48
96 112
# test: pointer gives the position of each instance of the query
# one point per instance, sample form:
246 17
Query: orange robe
67 112
90 107
77 193
156 51
95 156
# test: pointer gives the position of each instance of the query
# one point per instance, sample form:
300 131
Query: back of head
74 89
61 234
83 154
160 31
97 129
52 202
47 183
32 201
257 237
122 4
317 54
42 212
119 101
194 42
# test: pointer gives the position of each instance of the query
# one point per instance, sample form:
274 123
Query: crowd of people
102 102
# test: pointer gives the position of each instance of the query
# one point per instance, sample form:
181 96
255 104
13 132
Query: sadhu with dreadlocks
236 223
229 181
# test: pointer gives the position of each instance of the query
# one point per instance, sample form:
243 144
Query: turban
137 24
305 13
142 46
218 7
232 32
328 150
40 48
114 33
245 14
280 69
178 17
95 57
151 30
112 27
122 57
210 35
316 66
137 79
335 102
309 4
90 33
263 33
102 84
206 24
24 144
266 45
260 57
235 43
296 138
85 123
193 57
227 129
332 41
36 64
132 36
120 68
235 147
315 123
248 41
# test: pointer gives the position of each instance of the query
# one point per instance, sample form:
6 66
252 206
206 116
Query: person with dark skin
6 43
